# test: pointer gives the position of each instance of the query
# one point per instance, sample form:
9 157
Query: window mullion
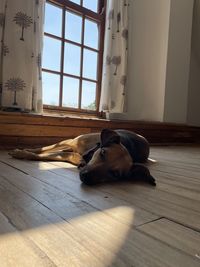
78 8
81 65
62 57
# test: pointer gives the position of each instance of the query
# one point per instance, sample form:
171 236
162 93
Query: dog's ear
139 172
109 137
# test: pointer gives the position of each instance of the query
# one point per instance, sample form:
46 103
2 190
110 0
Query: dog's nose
85 177
83 174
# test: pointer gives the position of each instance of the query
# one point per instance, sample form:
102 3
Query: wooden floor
48 218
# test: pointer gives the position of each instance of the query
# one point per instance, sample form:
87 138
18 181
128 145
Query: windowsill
71 114
55 114
62 115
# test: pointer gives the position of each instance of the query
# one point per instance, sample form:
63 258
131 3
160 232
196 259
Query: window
73 54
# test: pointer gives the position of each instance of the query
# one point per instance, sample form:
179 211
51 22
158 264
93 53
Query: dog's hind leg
66 145
72 157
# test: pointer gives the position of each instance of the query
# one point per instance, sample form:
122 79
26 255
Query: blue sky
51 56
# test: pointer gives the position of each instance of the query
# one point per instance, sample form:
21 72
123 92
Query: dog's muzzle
86 178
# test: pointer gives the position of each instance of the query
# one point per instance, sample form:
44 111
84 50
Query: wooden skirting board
20 130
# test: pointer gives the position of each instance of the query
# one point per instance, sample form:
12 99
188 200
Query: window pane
73 27
76 1
89 64
91 37
51 84
53 26
72 59
51 54
91 4
70 92
88 95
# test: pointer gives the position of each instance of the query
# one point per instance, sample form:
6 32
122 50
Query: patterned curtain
114 79
21 32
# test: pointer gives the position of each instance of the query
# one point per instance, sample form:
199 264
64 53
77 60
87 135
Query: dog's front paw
152 180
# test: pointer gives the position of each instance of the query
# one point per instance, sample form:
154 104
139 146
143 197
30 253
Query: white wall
178 61
193 117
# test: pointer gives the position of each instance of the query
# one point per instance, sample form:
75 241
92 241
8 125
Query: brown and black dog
107 156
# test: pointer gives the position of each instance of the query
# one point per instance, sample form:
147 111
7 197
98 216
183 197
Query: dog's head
110 161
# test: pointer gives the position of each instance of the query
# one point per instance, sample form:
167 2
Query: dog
101 157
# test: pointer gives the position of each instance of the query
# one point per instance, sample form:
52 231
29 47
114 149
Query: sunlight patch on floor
94 239
43 166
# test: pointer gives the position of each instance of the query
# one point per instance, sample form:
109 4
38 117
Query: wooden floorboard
16 249
173 234
48 218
